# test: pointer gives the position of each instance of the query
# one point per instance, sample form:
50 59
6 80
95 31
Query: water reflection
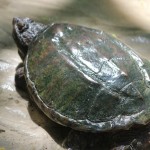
100 14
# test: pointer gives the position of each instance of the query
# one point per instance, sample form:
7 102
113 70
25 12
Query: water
22 125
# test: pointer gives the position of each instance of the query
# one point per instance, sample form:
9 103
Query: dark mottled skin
24 31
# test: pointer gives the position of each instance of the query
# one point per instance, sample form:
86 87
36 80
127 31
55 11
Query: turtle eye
21 26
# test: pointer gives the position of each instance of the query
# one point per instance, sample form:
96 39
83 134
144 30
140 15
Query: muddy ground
22 125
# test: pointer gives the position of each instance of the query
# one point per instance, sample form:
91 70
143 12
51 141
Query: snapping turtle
81 77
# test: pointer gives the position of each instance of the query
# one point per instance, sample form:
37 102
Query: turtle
82 78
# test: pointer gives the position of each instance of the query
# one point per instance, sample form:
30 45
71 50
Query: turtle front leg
20 82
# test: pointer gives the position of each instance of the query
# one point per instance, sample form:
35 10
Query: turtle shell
87 80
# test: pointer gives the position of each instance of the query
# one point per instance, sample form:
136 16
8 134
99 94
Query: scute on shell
88 80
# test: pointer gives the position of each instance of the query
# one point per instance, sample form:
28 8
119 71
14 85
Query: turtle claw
134 145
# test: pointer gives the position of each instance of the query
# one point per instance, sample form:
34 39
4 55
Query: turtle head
24 30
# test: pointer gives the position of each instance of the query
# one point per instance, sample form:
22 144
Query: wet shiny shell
87 80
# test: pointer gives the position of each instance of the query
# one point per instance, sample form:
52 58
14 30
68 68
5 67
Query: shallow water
22 125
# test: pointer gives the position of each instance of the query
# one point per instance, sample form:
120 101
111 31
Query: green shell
87 80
